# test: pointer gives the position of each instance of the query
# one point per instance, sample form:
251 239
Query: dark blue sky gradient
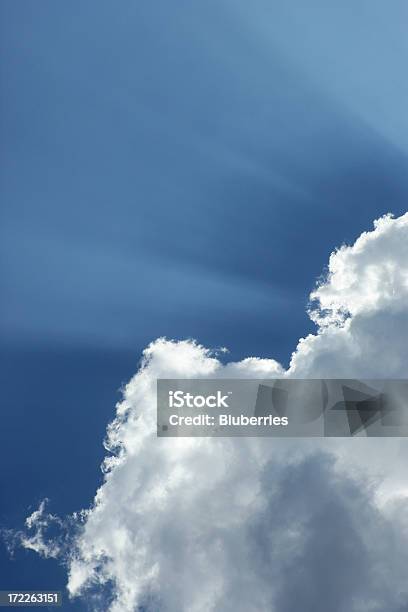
179 169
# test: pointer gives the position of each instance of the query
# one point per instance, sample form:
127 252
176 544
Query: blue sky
179 169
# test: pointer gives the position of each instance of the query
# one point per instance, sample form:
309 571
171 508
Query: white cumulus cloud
254 524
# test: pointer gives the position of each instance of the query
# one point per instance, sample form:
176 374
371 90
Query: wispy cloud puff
259 524
36 535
